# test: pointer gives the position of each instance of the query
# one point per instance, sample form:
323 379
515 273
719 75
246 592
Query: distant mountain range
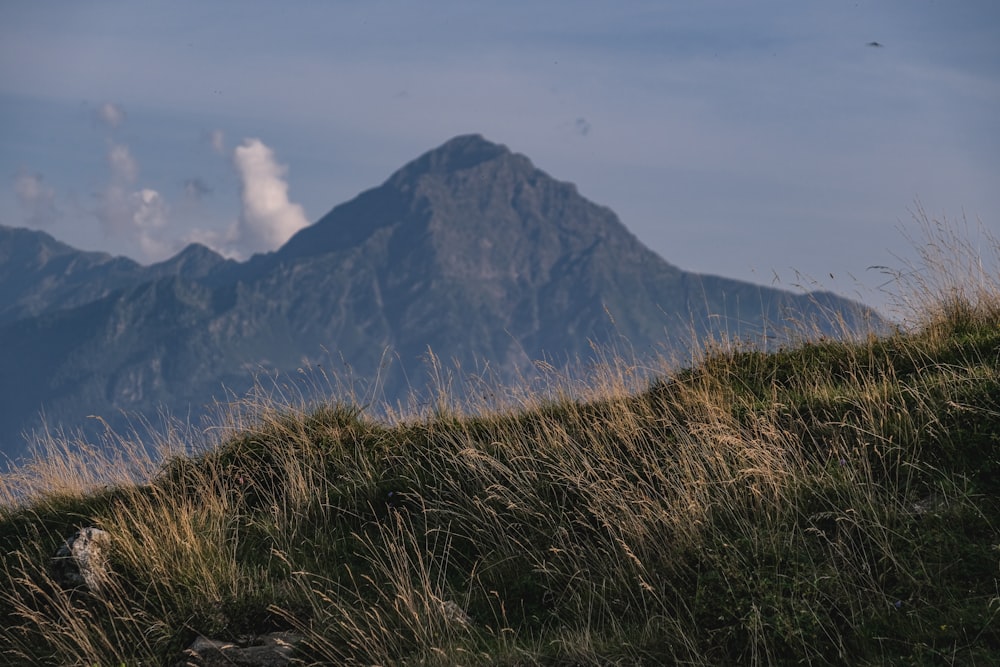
469 251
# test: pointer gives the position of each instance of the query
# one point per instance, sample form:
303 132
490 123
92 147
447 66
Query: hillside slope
832 502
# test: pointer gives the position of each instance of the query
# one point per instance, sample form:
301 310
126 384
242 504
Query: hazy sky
745 139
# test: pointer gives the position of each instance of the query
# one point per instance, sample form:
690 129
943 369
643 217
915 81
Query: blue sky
750 140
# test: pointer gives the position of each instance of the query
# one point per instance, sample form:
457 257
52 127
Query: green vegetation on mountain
832 502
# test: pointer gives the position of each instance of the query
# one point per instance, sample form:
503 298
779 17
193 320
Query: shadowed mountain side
38 273
469 251
135 349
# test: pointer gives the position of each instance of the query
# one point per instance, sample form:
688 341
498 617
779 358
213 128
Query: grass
833 502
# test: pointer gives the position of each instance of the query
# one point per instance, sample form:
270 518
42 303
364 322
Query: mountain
38 273
469 251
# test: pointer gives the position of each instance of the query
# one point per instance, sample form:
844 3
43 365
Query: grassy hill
833 502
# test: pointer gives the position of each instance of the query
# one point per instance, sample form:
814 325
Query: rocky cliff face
469 251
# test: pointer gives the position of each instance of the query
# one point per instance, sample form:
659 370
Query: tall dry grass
806 505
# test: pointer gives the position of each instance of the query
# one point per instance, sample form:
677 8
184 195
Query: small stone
270 650
82 561
455 613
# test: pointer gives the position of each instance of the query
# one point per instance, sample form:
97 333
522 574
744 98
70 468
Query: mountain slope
469 251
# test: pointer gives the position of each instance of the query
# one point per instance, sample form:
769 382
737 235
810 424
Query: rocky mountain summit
469 251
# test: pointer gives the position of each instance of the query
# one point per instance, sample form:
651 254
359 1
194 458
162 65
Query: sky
780 142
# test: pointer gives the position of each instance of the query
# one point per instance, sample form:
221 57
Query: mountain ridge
469 250
38 272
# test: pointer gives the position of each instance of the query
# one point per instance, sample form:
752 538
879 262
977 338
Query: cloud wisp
36 198
111 115
217 140
123 166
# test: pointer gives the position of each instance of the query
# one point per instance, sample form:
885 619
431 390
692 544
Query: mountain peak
397 199
462 152
465 150
195 261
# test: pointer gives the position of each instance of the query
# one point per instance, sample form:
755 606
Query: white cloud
37 200
267 218
111 115
149 217
139 217
149 210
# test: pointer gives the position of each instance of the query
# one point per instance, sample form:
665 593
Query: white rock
82 561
